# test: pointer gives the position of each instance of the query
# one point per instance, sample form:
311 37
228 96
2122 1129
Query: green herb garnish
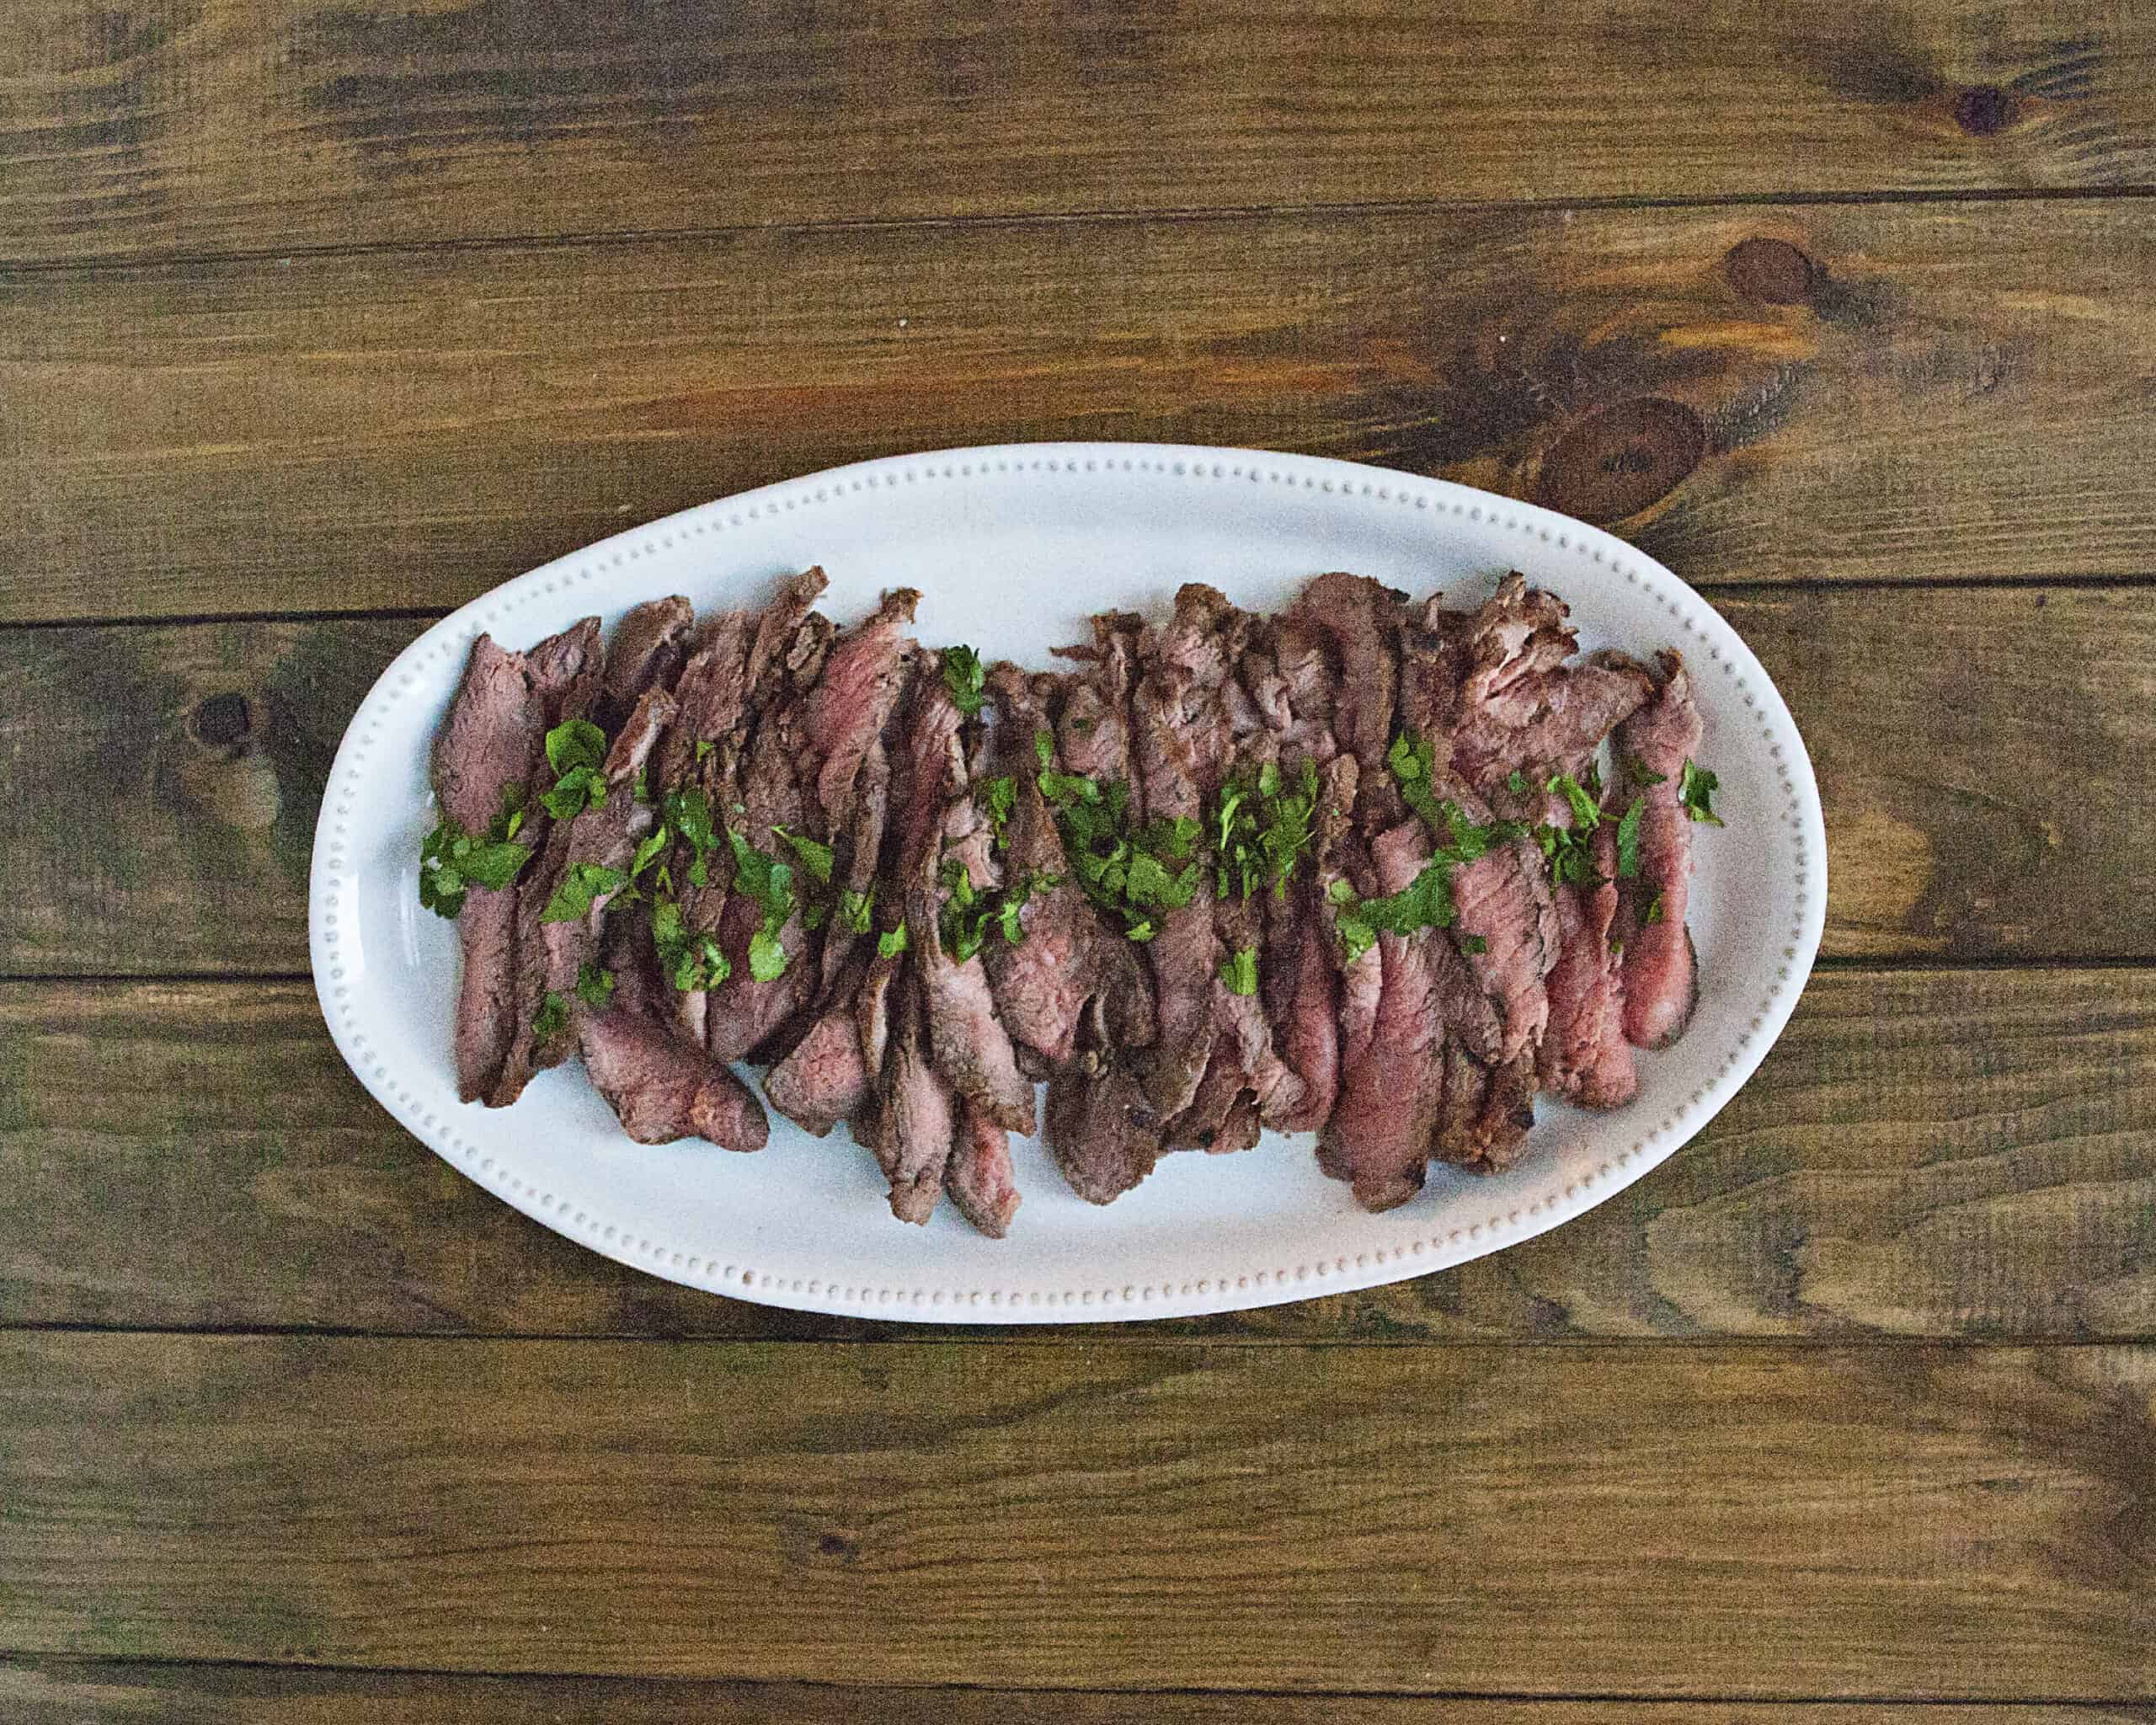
692 961
891 942
452 861
575 751
1239 971
855 908
552 1018
1628 840
814 857
594 987
689 818
582 885
999 798
964 677
1695 791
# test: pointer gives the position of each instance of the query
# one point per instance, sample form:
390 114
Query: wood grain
1714 1522
176 126
1874 392
70 1692
1925 1154
1982 756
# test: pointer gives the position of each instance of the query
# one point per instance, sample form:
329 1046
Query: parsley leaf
1044 749
999 797
577 742
1517 783
1640 773
691 962
689 818
815 857
649 851
1695 791
1239 971
1414 769
892 941
452 860
1628 840
581 885
1473 945
594 987
1586 817
767 956
770 883
580 788
855 909
641 789
965 678
552 1018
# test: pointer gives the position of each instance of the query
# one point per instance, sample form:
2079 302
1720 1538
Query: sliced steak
489 743
1486 1113
979 1176
551 955
1356 617
1183 752
917 1115
825 1080
1392 1048
564 671
1041 985
1660 968
646 652
972 1049
1103 1133
661 1087
1302 983
1584 1057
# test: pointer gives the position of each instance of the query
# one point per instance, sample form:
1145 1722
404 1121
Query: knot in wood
1620 459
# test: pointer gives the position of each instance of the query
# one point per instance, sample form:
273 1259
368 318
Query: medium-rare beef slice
825 1080
645 652
1660 969
1584 1057
1102 1132
1391 1039
979 1176
564 672
917 1114
972 1049
744 1014
489 743
551 955
1356 616
1183 752
662 1087
1041 984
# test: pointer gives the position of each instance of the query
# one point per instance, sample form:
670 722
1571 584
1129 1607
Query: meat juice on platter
1369 868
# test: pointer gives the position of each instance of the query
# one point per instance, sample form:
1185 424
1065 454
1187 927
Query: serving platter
1013 547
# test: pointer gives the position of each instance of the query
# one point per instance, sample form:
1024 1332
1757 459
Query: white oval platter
1014 547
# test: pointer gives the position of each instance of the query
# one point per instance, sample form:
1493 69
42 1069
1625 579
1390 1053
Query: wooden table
318 318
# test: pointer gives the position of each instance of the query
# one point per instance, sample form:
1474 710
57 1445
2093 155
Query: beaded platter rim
1518 1212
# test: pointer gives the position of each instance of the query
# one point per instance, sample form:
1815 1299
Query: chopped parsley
857 909
594 987
1239 971
1414 770
815 857
1473 945
641 789
689 818
1130 873
964 677
968 914
582 885
690 961
575 751
1628 840
552 1018
999 798
1642 774
1695 791
892 941
1517 783
769 883
452 860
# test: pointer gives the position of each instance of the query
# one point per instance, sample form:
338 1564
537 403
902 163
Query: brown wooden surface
49 1692
1614 1519
168 779
1947 1153
186 125
1877 392
359 308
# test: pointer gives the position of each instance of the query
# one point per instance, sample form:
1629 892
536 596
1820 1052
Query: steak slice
1584 1057
1182 750
661 1087
489 743
1103 1133
648 646
980 1177
1659 967
917 1115
972 1049
1486 1113
1357 617
825 1080
554 954
564 670
1391 1046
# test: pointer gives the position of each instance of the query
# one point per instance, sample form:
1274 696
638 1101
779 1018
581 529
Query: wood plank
180 125
56 1692
1934 1154
1733 1522
166 778
1873 391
